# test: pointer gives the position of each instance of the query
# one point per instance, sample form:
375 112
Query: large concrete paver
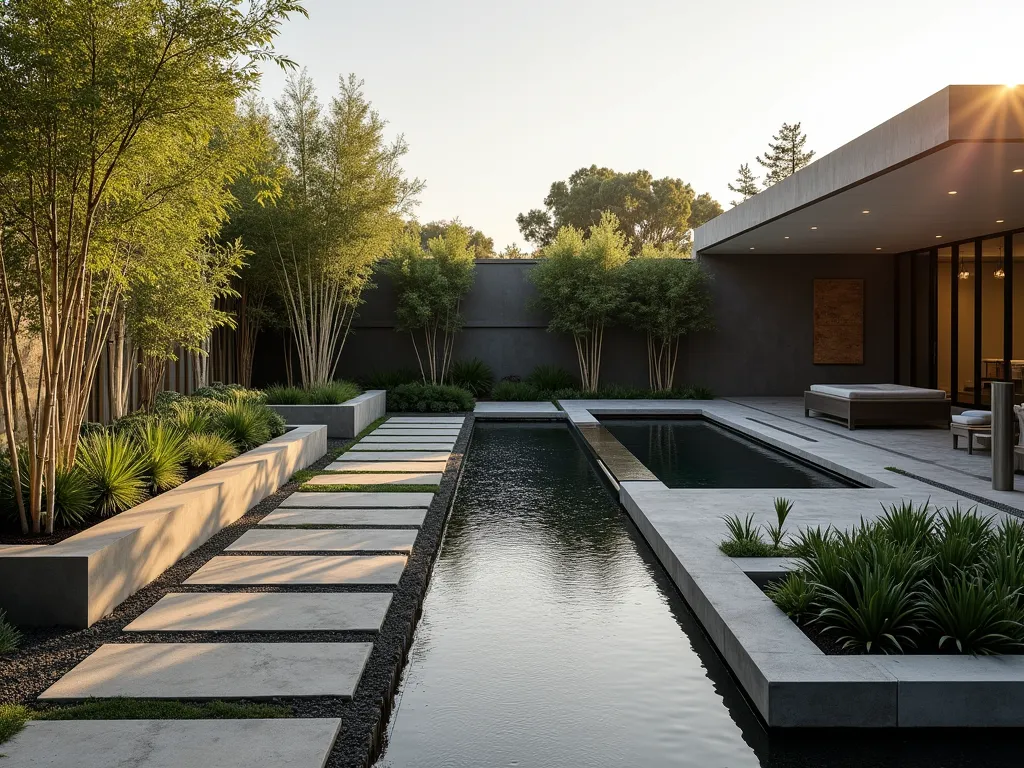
446 446
375 478
214 671
342 499
375 438
297 570
418 429
414 455
292 742
426 420
296 540
517 410
265 612
388 466
370 517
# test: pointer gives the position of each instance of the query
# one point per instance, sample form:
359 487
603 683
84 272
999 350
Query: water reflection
692 453
551 637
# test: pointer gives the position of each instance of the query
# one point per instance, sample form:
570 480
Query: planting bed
48 653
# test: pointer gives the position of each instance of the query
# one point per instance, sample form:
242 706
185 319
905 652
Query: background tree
178 309
746 184
430 284
340 206
513 251
577 285
482 245
100 97
666 299
785 155
649 211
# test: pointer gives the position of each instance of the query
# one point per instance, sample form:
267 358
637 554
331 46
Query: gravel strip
47 654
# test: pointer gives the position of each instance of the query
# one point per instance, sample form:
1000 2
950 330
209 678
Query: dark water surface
551 637
691 453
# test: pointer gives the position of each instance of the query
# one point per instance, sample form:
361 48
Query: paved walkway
314 539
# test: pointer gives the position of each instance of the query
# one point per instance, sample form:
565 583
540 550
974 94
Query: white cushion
878 392
972 421
980 414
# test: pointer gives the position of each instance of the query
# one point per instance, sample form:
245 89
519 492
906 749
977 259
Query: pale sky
499 99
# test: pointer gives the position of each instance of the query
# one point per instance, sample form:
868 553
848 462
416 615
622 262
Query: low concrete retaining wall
81 579
344 420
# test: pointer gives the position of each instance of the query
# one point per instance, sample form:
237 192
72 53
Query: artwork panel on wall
839 322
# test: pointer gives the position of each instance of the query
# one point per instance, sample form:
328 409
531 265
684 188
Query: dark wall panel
762 344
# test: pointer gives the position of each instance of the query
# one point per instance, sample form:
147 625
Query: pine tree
746 184
785 155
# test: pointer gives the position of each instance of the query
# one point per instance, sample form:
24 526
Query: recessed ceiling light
865 211
751 247
999 221
813 227
878 248
1018 170
787 237
952 192
938 235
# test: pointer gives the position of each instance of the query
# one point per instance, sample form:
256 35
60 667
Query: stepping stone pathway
297 743
342 499
297 570
373 517
265 612
214 671
407 450
366 478
292 540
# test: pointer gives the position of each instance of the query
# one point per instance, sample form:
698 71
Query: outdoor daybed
878 405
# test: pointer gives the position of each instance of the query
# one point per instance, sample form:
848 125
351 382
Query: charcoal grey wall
762 345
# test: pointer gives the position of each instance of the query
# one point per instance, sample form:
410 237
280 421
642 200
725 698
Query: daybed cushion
973 418
878 392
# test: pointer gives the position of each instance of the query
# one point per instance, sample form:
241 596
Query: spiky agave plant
10 637
777 531
112 465
973 616
908 523
795 595
164 454
881 611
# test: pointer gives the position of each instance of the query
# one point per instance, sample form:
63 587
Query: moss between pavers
14 716
372 488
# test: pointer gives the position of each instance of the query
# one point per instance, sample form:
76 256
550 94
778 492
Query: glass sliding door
993 287
964 305
944 324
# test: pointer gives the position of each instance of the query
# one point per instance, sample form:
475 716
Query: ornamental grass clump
916 579
114 467
163 455
473 375
206 451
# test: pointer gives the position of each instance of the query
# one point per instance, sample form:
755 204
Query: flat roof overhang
965 138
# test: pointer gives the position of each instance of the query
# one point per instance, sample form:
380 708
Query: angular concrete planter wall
344 420
83 578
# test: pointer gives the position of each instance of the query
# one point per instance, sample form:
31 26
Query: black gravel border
46 654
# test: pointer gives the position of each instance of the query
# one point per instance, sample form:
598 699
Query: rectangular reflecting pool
551 636
693 453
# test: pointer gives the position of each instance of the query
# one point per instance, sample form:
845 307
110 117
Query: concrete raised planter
81 579
344 420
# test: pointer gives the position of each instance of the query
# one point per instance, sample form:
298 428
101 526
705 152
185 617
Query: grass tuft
150 709
12 719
